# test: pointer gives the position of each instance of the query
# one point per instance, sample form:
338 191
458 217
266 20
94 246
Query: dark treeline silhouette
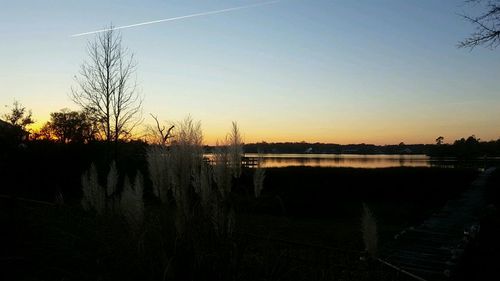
464 148
304 147
467 148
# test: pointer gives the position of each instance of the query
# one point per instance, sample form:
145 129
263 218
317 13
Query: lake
358 161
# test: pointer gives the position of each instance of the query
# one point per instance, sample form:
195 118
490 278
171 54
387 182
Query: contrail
179 18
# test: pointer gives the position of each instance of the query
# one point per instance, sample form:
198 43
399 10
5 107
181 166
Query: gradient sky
330 71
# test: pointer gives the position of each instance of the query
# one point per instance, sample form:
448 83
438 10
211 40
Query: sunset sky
341 71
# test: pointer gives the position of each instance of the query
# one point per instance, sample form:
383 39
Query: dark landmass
462 148
303 147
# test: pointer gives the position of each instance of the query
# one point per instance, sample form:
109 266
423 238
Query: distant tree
107 86
18 116
472 140
467 148
70 126
487 26
439 140
14 126
44 133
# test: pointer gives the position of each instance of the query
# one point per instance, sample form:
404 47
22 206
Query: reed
369 230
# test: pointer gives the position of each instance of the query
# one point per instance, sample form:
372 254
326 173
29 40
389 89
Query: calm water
352 160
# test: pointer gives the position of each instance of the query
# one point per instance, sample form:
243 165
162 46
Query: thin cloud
179 18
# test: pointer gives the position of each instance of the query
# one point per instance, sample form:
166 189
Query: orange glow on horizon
253 133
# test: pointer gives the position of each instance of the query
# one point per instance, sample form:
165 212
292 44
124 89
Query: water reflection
342 160
358 161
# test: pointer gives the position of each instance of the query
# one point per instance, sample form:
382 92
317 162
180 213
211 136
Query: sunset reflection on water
344 160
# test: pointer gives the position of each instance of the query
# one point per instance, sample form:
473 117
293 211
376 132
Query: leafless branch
164 136
487 27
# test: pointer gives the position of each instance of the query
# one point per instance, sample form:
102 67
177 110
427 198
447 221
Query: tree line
464 148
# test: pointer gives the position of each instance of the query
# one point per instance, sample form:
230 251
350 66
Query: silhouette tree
439 140
487 26
467 148
70 126
107 86
19 117
14 128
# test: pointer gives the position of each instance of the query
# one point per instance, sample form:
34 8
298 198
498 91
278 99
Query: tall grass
196 195
235 143
112 180
158 173
191 226
94 197
131 202
222 169
181 176
258 178
369 230
175 171
112 188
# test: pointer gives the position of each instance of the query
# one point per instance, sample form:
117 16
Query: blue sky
331 71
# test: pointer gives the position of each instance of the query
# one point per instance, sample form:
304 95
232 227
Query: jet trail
179 18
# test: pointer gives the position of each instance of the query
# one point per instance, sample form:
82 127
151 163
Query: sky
380 72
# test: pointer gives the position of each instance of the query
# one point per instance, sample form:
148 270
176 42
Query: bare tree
487 26
160 134
107 86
